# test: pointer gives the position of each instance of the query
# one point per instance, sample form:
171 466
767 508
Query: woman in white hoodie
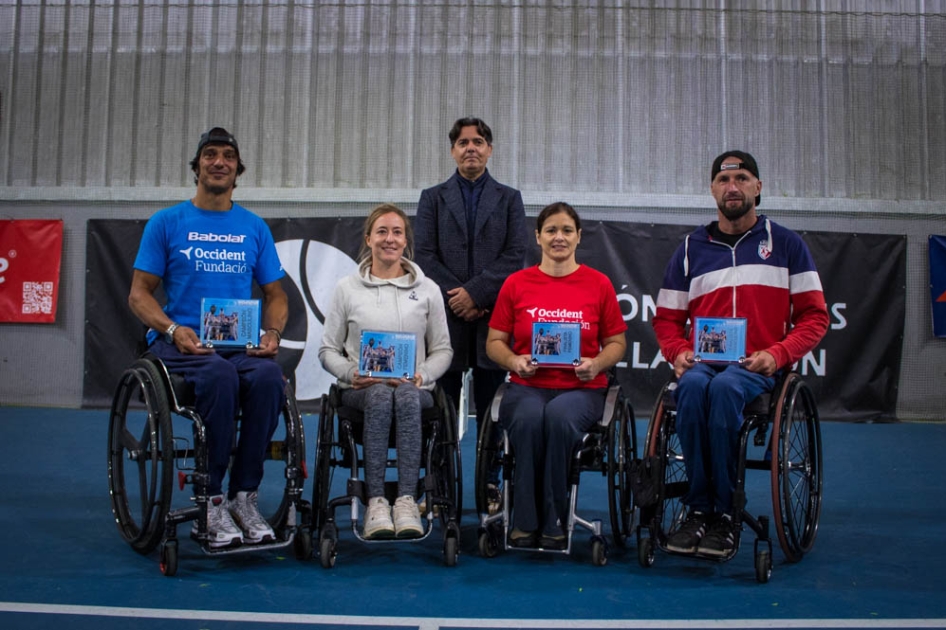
388 293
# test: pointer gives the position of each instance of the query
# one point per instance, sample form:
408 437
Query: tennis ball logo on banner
314 268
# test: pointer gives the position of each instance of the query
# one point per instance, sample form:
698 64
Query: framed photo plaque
556 344
719 339
225 322
386 354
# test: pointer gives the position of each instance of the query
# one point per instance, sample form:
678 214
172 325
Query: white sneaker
244 509
407 518
378 522
221 530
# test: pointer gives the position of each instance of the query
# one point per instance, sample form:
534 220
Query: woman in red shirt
547 409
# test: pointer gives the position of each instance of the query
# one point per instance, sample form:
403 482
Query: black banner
854 371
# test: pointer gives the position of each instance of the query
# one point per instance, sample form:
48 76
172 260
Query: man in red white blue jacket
741 265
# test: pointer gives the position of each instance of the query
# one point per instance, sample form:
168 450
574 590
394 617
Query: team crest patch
764 250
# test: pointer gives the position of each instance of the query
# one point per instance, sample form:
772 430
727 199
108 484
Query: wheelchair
339 444
780 434
608 448
143 451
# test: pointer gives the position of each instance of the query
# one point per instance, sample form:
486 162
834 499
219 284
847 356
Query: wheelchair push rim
141 456
669 511
621 451
796 469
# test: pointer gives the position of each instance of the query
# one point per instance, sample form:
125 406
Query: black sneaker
553 542
720 539
687 537
523 540
494 499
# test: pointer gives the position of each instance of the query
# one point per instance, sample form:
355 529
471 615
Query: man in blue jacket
470 235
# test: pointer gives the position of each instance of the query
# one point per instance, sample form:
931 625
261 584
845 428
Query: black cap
217 135
746 161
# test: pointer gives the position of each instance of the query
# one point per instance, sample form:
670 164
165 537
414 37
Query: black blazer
442 244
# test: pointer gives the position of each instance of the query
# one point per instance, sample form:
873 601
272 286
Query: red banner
30 257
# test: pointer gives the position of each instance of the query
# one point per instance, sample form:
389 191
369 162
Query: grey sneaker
687 537
221 530
378 523
407 518
245 511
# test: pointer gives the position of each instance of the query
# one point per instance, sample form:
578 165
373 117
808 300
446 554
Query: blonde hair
378 212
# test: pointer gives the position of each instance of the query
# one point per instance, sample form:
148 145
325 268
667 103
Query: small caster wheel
450 551
302 544
763 566
645 552
488 546
169 558
599 553
327 553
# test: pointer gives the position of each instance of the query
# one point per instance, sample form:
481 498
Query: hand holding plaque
719 339
556 344
229 323
387 354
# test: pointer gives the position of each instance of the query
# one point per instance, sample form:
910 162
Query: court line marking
434 623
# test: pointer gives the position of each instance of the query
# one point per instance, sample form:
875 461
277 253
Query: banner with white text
854 371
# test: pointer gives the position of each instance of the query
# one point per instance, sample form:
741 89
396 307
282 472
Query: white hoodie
410 303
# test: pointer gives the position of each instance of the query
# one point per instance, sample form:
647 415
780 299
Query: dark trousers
226 382
545 426
710 400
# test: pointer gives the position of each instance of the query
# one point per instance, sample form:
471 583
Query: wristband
277 333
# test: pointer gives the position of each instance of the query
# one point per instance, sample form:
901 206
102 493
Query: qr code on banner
37 297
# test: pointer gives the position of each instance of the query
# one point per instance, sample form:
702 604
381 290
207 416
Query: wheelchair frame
609 448
785 422
147 520
338 442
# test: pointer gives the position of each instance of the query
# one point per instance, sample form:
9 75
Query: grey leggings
381 404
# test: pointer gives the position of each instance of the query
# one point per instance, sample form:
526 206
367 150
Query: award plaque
556 344
229 323
719 339
386 354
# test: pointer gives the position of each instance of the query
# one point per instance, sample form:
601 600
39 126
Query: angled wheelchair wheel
621 451
291 451
486 452
322 475
141 456
796 470
662 441
448 465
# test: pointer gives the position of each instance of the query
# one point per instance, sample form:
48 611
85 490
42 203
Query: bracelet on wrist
276 332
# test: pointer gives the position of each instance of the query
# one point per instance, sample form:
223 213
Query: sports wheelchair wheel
488 449
796 468
663 443
141 456
621 451
291 451
323 471
445 459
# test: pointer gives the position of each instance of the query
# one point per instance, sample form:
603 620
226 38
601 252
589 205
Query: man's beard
734 214
216 189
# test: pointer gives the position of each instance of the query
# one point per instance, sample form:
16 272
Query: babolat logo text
216 238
